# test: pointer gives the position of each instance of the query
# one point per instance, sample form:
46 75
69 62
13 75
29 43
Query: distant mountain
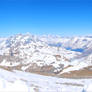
46 54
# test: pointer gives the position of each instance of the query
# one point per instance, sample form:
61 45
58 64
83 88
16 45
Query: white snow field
18 81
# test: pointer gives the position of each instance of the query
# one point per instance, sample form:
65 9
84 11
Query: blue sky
63 17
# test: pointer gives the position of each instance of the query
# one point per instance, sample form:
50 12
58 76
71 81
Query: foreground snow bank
87 88
17 86
19 81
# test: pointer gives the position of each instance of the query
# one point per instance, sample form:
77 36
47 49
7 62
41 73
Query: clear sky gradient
63 17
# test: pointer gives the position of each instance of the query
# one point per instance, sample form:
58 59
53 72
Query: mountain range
47 54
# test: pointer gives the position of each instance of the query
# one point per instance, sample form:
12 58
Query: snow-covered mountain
47 54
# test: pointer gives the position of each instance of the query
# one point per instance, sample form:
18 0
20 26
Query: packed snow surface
18 81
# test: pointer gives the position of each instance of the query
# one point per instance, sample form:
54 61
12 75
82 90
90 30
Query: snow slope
18 81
